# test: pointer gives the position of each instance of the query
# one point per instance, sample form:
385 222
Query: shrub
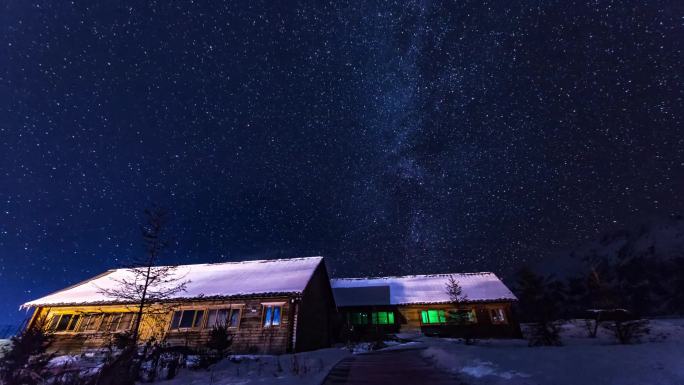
545 334
220 340
628 332
26 360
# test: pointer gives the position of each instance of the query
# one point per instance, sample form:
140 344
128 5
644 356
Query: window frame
470 310
239 319
73 323
441 316
230 308
54 321
193 322
113 324
264 306
204 324
375 318
88 319
105 323
79 320
71 326
502 313
107 319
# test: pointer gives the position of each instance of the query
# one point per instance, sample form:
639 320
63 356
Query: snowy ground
658 360
302 368
289 369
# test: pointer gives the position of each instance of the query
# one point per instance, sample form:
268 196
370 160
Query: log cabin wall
484 327
250 335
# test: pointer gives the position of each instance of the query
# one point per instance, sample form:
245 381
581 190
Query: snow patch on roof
479 287
276 276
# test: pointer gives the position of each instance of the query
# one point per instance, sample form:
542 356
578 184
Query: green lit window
382 318
432 316
359 318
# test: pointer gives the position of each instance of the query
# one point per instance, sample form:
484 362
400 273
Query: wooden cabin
271 306
420 303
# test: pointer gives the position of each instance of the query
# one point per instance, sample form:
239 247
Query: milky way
392 138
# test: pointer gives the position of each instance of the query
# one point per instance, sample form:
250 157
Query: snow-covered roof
277 276
410 289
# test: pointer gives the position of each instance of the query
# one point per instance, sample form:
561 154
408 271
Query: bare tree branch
144 283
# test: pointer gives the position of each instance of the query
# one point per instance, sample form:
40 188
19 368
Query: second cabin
269 306
421 303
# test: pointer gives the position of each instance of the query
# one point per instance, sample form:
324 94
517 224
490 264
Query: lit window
497 315
53 322
271 315
72 324
432 316
64 322
125 321
113 322
382 318
106 321
88 323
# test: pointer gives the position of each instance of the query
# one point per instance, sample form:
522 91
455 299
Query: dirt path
395 367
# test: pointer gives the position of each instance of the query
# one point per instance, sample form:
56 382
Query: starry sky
391 137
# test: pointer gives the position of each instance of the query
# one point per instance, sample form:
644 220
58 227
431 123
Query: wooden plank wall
249 337
408 319
410 315
317 313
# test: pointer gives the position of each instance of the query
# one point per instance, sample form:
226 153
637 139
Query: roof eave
494 300
179 299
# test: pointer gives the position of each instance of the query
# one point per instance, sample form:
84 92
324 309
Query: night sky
392 138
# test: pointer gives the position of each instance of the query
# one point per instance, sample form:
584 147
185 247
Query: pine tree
458 316
457 298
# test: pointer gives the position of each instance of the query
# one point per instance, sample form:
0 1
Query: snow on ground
301 368
4 344
288 369
84 364
659 359
582 360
